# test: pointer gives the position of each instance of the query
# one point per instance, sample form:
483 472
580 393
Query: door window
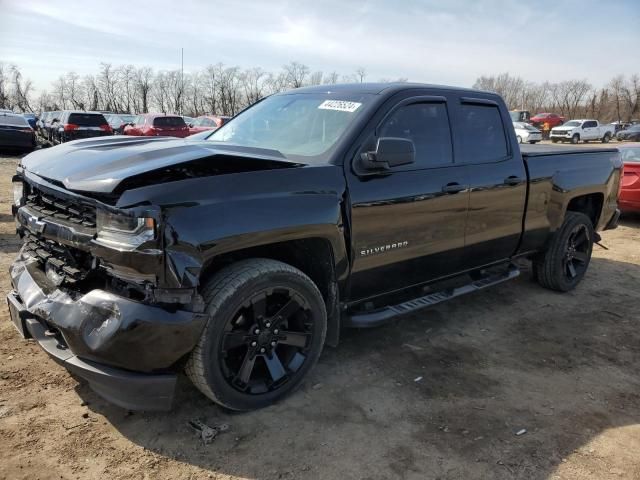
427 125
481 134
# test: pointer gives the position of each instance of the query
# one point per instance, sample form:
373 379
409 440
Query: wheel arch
314 256
590 204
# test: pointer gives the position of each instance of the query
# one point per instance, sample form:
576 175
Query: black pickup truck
237 257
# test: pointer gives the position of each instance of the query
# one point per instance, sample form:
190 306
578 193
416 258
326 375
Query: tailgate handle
453 188
513 180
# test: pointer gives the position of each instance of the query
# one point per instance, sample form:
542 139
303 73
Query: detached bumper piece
613 222
126 350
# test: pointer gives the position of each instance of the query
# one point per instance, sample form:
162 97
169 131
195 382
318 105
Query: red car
157 125
629 200
206 122
553 119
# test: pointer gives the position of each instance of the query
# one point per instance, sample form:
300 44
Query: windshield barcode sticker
340 105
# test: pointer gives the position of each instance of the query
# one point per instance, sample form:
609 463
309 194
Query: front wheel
267 325
562 266
575 139
519 139
606 138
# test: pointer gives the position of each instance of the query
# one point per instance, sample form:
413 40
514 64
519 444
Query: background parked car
73 125
553 119
584 129
158 124
15 132
117 121
629 200
206 122
526 133
630 133
31 118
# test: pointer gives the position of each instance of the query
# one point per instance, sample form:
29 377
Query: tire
554 140
575 139
235 362
551 268
519 139
533 142
606 138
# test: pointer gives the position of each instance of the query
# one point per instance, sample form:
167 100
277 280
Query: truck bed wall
555 178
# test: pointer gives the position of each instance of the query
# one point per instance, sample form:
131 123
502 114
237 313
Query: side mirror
190 125
55 120
390 152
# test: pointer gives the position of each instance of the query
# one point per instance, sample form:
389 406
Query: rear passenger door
407 223
497 180
590 130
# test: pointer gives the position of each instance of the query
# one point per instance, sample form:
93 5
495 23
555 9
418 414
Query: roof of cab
378 88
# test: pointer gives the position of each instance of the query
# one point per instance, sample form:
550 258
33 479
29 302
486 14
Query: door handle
513 180
454 188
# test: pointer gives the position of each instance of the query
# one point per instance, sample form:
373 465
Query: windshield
515 116
572 123
633 128
631 155
306 125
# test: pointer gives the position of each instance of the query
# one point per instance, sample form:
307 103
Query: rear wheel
575 139
266 328
553 140
566 260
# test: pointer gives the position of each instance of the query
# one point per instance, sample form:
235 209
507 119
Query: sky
441 41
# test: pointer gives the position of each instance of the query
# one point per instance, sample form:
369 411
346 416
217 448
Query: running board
382 315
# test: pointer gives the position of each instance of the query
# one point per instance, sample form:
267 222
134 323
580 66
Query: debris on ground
521 432
417 379
206 433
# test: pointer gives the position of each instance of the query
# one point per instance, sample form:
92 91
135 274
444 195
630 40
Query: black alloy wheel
576 258
265 344
266 329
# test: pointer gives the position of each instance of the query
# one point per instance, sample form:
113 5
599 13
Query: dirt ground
440 395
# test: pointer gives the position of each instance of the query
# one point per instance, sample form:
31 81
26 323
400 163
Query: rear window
87 119
481 133
13 121
169 122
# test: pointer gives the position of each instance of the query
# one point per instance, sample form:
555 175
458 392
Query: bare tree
296 74
361 74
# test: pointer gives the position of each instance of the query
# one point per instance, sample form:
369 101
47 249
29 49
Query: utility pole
181 77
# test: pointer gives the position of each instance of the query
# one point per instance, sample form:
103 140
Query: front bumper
124 349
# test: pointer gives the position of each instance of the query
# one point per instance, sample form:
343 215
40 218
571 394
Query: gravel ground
514 382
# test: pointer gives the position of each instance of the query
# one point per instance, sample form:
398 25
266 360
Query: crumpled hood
101 164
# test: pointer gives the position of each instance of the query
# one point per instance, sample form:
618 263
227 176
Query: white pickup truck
582 129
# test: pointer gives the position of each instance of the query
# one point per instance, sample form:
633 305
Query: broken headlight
18 192
123 232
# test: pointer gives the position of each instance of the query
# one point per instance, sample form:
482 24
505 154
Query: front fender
210 216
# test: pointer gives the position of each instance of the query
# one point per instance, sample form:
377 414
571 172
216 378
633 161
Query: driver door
408 223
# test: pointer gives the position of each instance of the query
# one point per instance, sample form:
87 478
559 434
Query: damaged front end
90 287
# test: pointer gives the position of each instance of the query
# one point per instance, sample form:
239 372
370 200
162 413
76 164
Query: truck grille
70 264
63 209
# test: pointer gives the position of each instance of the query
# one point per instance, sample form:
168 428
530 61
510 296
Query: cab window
427 125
